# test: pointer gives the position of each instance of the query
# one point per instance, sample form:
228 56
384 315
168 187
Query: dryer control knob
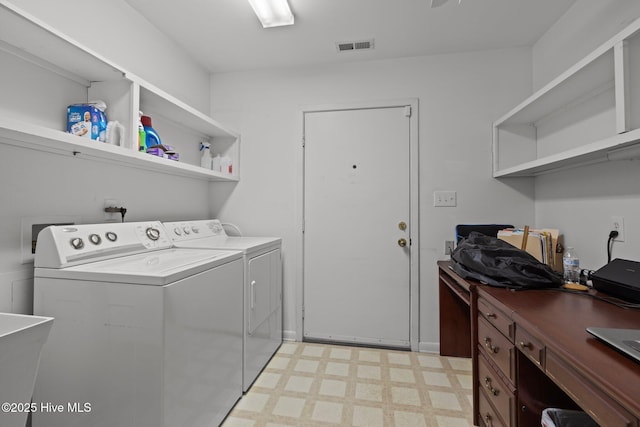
153 233
177 231
186 230
195 229
77 243
111 236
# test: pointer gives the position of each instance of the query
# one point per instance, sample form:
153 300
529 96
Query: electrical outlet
448 247
617 223
110 216
444 198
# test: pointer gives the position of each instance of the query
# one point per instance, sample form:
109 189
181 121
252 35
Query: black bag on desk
498 263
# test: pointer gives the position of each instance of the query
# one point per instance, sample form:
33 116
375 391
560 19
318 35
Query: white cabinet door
356 195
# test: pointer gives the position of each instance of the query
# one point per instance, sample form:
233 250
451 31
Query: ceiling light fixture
272 13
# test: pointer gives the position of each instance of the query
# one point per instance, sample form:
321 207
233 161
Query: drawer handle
525 345
488 421
489 386
491 315
492 349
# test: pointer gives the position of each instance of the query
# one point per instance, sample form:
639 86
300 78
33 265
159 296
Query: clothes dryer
262 286
145 335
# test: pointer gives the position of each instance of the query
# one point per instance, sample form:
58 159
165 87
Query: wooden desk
532 351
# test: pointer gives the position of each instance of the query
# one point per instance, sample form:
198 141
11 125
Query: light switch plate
444 198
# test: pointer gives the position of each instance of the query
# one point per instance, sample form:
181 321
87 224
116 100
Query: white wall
37 184
119 33
581 201
585 26
459 97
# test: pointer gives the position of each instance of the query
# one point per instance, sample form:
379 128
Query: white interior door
357 192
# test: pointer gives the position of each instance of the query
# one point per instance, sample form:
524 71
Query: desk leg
455 321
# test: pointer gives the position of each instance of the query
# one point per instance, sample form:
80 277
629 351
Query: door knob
402 242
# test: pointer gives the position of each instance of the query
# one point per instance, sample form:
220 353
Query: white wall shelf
579 117
38 45
54 141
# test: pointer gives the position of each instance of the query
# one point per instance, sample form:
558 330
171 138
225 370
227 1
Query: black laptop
624 340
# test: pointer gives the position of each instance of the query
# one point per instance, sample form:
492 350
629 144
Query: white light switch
444 198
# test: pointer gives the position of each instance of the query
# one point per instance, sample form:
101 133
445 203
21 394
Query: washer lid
152 268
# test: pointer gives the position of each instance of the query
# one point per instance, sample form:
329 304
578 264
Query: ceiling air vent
355 45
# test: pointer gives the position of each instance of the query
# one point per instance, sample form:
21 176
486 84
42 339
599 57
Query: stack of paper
542 244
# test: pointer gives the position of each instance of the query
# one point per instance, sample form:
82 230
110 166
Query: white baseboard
423 347
429 347
289 335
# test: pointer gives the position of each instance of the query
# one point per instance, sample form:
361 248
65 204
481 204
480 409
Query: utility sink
21 340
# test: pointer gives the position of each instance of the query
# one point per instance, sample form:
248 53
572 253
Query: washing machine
262 286
146 334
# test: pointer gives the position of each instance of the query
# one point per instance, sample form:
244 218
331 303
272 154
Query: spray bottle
205 160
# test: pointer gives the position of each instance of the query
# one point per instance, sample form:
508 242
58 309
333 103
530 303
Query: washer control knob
186 230
111 236
195 229
153 233
77 243
95 239
177 231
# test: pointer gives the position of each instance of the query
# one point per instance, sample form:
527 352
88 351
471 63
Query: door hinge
303 142
407 111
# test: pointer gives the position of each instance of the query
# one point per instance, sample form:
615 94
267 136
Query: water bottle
571 266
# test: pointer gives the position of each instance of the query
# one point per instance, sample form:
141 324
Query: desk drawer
498 348
530 346
496 317
497 392
486 414
602 408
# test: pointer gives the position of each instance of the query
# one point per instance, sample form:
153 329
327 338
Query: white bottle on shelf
205 160
225 165
215 163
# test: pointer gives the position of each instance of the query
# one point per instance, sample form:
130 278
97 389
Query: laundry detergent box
87 121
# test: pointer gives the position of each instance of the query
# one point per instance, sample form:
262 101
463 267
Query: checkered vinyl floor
308 384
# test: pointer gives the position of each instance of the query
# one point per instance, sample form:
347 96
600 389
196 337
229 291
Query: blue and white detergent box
87 121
